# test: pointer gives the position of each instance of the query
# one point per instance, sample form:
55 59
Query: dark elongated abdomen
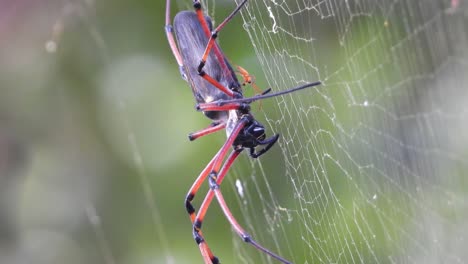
192 42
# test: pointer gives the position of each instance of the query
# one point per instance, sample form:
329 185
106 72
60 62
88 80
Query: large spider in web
219 96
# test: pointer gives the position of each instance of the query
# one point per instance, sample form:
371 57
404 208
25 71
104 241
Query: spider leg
198 9
215 126
218 85
214 185
212 45
170 38
225 105
206 29
266 91
231 103
221 106
211 170
194 189
206 253
214 34
269 142
197 234
215 180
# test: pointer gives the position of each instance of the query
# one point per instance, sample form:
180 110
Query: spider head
251 136
256 131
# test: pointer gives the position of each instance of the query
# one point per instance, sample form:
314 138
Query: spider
219 96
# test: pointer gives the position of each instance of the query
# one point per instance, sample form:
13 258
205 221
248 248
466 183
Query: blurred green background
95 161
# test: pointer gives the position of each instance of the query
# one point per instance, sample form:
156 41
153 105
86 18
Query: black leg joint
212 180
214 34
213 184
200 71
190 137
215 260
197 225
244 108
188 204
199 239
189 207
246 238
196 5
237 95
200 68
190 197
215 123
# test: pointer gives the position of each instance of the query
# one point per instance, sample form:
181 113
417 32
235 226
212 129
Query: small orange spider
248 79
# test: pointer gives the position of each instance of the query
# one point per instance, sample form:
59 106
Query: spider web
373 161
370 166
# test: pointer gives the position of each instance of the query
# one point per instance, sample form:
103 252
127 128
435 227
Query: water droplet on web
240 188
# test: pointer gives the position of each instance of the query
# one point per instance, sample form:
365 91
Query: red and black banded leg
196 186
214 35
215 180
201 17
205 250
197 234
206 253
198 10
235 225
219 55
213 167
211 45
